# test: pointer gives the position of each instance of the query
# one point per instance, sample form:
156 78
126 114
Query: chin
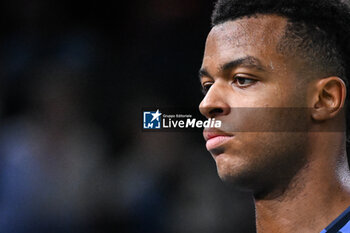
240 181
230 168
238 172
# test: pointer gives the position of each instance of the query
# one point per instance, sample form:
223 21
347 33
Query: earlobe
331 93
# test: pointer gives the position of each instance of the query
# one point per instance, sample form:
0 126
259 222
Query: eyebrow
248 61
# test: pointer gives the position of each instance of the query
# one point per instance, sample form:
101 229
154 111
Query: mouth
216 139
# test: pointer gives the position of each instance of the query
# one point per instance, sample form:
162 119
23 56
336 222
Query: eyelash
206 86
237 78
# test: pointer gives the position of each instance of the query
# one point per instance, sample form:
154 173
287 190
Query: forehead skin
259 34
256 36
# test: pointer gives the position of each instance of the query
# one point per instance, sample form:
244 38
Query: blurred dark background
74 77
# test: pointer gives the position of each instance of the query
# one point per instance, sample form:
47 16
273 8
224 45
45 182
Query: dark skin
299 180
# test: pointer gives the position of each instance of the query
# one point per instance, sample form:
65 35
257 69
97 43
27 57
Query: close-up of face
242 74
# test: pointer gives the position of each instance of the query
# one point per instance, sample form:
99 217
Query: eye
243 81
205 87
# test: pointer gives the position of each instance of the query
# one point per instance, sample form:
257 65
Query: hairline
283 38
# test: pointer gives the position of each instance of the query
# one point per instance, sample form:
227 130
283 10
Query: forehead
254 36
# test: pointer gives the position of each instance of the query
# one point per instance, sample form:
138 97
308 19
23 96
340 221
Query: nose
214 103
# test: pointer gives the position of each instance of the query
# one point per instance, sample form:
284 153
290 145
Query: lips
215 138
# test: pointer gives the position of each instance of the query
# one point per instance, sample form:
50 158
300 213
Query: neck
313 198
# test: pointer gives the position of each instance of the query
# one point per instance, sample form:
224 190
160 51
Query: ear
329 98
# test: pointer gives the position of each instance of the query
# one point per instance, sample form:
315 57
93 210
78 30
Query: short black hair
319 30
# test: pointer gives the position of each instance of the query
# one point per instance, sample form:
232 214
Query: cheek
261 156
266 119
257 96
289 92
267 96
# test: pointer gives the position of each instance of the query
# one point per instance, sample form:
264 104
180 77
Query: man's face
243 71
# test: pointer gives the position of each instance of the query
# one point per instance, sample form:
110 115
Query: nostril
215 111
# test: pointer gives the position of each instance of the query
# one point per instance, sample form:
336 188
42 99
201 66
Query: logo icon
151 120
